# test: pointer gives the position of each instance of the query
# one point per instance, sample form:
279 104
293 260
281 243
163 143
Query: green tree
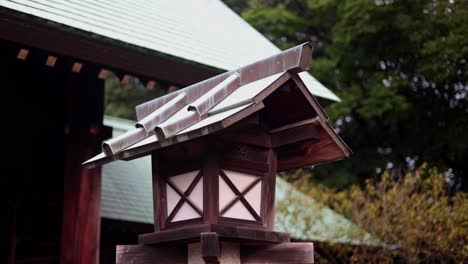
400 68
121 99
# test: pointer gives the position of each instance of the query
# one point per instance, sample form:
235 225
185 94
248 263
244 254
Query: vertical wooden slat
157 197
82 187
269 183
210 189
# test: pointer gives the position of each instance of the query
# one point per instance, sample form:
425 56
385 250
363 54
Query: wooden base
213 249
231 233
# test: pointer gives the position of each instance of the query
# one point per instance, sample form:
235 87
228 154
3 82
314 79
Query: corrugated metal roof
203 31
215 104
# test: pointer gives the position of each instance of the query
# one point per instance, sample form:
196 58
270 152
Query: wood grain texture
158 193
143 254
210 251
130 60
268 192
280 253
283 253
210 188
295 134
231 232
82 187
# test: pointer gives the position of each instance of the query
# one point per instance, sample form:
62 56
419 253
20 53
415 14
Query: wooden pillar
82 187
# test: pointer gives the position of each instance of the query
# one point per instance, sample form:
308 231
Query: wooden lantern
216 148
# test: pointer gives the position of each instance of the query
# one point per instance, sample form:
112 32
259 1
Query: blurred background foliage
415 216
400 69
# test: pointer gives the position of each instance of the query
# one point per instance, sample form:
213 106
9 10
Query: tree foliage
414 215
121 99
399 67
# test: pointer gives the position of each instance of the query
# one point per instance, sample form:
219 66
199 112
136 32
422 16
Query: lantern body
214 181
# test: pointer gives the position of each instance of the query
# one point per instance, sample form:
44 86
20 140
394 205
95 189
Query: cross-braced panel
240 195
184 194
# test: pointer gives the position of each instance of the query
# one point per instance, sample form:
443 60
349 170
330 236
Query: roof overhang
190 113
58 39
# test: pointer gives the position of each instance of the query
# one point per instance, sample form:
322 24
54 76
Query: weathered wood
309 152
27 31
82 187
283 253
294 125
254 137
158 196
143 254
210 251
295 134
180 234
239 151
257 167
210 189
268 192
231 232
81 219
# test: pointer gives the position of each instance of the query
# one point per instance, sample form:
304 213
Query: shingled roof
199 32
223 100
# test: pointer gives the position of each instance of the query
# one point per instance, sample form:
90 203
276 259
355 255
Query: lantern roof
270 89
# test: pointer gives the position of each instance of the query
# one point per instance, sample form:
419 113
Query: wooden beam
253 137
210 188
143 254
294 125
308 152
82 187
234 233
268 191
209 243
28 31
294 134
291 253
158 193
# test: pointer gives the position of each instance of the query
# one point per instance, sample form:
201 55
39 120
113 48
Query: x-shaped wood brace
184 197
240 195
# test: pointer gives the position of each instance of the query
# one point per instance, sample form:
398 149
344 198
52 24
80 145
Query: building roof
204 32
306 219
219 102
127 196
